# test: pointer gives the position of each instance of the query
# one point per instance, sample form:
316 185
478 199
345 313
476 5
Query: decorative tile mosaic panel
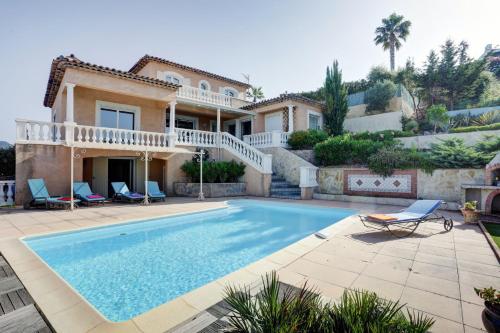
363 182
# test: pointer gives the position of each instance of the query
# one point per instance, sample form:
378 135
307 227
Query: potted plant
470 212
491 312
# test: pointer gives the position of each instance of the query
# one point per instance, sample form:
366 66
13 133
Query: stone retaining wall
443 184
210 190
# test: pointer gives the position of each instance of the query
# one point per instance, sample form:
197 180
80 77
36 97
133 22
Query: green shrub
214 171
7 162
489 144
388 159
344 149
475 128
411 126
379 95
306 139
437 116
386 135
454 154
280 308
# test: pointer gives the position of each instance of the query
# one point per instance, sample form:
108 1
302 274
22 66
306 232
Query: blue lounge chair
83 192
122 193
408 220
154 193
40 196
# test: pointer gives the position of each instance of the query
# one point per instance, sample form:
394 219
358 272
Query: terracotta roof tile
147 58
60 64
283 98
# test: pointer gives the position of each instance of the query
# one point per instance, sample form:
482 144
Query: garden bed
210 190
492 233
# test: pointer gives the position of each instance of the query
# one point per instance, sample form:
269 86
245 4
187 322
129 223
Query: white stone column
69 123
218 120
290 118
238 128
70 102
171 125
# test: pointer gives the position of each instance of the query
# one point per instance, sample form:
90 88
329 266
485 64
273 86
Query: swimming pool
127 269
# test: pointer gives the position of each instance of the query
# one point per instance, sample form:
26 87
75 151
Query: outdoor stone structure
444 184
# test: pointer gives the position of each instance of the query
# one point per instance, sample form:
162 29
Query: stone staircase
281 189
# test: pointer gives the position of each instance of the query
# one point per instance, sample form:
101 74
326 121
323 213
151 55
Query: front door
120 170
274 122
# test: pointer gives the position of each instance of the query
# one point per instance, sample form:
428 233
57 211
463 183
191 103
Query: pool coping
67 310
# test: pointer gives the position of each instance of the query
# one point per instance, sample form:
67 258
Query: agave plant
278 308
487 118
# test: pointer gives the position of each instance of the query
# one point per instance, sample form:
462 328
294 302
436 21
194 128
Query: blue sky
283 45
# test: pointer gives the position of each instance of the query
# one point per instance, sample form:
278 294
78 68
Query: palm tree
256 93
391 32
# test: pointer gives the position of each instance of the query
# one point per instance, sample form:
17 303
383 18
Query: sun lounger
408 220
83 192
122 193
154 193
41 198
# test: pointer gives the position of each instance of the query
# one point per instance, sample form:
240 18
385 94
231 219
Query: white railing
206 96
267 139
247 153
308 177
39 132
103 137
188 137
7 192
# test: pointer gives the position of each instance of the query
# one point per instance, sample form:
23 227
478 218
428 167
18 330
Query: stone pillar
171 130
70 102
218 120
290 118
69 123
238 128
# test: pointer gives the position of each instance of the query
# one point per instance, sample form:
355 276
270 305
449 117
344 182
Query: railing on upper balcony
267 139
7 192
308 176
210 97
41 132
103 137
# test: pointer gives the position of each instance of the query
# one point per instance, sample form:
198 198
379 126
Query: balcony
83 136
209 98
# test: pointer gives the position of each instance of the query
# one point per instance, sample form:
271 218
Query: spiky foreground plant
280 309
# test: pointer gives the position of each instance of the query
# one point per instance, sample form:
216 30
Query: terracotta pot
470 216
491 317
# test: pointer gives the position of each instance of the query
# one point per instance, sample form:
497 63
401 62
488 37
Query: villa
164 267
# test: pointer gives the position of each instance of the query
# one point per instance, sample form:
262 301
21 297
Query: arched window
231 92
204 85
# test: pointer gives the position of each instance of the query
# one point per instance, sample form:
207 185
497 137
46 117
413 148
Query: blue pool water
128 269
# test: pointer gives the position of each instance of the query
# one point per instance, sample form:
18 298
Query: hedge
306 139
214 171
475 128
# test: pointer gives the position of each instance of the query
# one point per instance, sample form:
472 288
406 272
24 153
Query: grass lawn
494 230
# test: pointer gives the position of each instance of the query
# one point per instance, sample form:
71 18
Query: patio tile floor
431 271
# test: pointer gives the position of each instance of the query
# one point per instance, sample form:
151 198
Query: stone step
286 191
291 197
276 178
280 185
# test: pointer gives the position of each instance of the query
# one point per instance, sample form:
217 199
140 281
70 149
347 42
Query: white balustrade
247 153
308 177
103 137
189 137
7 192
206 96
39 132
267 139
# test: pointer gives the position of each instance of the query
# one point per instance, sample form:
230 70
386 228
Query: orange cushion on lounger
381 217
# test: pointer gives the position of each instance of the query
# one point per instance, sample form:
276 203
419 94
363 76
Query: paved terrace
432 271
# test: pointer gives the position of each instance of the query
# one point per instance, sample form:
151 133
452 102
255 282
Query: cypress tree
336 100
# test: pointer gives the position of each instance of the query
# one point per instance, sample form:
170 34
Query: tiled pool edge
50 291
